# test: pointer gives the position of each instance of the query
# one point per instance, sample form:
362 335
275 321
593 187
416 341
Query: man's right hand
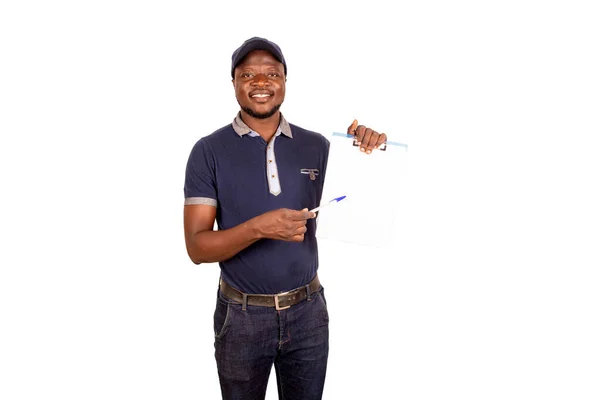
284 224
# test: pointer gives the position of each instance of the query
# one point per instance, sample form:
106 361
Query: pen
336 200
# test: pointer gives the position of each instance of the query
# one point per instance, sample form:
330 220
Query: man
258 177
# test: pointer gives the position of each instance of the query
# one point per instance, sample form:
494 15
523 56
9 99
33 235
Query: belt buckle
277 301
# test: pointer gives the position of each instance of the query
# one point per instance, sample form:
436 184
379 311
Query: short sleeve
200 183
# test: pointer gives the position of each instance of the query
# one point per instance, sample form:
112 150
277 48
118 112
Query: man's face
259 83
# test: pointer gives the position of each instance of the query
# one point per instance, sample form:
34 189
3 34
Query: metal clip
383 146
311 172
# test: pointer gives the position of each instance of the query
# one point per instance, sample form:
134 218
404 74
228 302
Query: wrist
253 226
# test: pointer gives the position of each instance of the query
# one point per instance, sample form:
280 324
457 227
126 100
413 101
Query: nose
260 80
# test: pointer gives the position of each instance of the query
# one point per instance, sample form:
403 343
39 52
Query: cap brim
256 45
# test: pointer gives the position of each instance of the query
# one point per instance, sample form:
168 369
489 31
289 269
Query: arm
205 245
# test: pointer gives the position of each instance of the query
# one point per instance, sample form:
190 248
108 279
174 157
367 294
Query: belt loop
308 298
244 301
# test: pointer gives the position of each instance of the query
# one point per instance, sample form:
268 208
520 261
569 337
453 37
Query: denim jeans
248 343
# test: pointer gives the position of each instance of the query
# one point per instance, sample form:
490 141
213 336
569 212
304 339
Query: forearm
215 246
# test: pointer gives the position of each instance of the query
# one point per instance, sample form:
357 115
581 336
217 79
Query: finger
302 215
298 238
311 215
352 127
366 139
306 215
381 140
373 140
360 133
296 231
298 225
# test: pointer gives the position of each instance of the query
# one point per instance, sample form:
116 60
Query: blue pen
336 200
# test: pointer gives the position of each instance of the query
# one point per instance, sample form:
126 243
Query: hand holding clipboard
366 138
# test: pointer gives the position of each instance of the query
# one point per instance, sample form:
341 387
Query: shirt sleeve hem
200 200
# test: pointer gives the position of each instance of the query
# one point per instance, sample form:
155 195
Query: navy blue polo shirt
237 171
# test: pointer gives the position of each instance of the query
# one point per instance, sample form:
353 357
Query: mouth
261 96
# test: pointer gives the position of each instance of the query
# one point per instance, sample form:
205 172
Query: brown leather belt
280 301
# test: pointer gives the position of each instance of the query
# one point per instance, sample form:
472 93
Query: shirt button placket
272 175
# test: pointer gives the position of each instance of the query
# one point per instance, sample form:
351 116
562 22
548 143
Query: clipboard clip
383 147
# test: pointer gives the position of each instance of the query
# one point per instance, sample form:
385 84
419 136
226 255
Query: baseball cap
256 43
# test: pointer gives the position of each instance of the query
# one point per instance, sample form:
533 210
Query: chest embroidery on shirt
312 173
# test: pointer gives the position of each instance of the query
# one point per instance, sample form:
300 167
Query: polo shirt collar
242 129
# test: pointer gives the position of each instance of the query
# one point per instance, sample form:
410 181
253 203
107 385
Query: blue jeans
248 343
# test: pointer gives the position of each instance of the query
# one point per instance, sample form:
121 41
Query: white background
492 288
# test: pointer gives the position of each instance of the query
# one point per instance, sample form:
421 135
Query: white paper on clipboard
373 184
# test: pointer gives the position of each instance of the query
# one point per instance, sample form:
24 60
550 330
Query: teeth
261 95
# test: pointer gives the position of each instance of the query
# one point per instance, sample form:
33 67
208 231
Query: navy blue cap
256 43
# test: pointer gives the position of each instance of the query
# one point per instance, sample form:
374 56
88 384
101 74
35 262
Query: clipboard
374 188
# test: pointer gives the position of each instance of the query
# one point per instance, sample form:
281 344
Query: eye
246 75
273 74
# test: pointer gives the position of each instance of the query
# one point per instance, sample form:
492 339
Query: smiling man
261 97
251 178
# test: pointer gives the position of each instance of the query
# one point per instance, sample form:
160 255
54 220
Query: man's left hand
366 138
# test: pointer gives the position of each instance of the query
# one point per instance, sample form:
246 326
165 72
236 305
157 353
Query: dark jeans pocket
221 318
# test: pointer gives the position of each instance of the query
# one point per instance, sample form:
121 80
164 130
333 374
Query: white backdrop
491 291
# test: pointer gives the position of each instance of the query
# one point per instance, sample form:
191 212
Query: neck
266 127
